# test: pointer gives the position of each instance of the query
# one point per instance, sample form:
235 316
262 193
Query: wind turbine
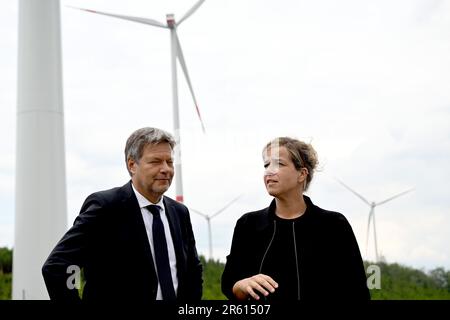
372 214
208 220
176 53
40 195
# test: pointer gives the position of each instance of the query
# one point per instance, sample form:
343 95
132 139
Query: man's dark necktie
161 255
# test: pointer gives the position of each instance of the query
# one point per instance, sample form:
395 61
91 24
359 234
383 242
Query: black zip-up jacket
314 256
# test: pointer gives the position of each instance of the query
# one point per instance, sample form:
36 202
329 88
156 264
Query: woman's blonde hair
302 155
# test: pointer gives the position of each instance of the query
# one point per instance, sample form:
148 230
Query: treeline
397 282
5 273
404 283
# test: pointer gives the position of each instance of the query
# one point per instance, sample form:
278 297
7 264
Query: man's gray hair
142 137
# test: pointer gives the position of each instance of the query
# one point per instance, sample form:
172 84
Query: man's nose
165 167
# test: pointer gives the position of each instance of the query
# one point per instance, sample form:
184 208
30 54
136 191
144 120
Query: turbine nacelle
170 19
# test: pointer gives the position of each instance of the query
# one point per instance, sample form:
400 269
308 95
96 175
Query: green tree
5 260
212 274
440 277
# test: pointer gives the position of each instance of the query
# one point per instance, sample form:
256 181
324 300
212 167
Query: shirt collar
144 202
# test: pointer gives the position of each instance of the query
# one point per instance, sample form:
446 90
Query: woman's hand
245 288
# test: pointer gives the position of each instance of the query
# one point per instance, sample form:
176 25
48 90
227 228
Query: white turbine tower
372 214
208 220
176 53
40 217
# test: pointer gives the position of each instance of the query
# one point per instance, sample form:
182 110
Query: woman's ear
302 177
303 173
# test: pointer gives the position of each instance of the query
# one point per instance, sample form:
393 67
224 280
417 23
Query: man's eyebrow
153 158
159 158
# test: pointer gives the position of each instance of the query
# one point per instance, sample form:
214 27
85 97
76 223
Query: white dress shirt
148 221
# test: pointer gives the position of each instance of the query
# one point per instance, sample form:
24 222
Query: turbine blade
129 18
229 204
353 191
186 75
191 11
198 212
396 196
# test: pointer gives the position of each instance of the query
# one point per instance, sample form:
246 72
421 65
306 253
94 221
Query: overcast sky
366 82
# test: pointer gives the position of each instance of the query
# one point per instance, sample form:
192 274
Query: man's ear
131 165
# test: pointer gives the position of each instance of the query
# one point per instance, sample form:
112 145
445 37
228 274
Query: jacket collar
270 211
174 224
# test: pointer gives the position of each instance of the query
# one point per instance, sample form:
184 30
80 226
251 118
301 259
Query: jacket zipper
268 247
296 261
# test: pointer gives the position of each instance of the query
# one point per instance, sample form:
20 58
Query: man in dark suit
131 242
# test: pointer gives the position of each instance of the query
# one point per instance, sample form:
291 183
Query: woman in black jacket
293 249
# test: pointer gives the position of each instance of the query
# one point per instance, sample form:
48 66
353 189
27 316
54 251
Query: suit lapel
131 206
174 224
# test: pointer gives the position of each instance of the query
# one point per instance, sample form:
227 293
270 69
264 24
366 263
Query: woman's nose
271 170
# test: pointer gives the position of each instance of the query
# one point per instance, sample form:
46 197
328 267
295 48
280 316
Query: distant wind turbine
372 214
176 53
208 220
